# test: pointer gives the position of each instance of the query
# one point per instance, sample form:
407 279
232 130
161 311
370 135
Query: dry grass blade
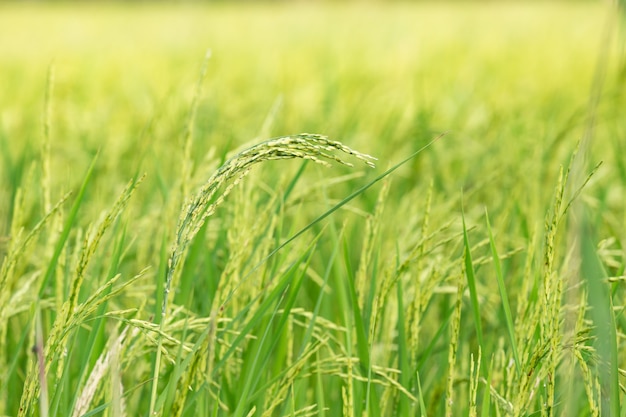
99 371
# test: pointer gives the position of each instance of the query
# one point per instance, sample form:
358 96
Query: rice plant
160 257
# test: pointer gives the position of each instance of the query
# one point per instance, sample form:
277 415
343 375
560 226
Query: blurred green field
381 308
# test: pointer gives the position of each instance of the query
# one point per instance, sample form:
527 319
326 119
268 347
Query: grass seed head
314 147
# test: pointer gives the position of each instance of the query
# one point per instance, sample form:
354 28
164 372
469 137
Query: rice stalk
422 293
474 379
551 297
103 365
41 366
553 285
372 231
454 344
316 148
18 246
524 327
59 333
305 146
590 381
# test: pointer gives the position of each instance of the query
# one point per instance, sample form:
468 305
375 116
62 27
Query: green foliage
157 259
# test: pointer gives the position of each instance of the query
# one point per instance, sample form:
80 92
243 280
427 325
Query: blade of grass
603 318
503 295
363 347
292 184
485 409
192 262
361 334
471 282
254 374
316 311
453 347
160 279
294 289
431 346
41 366
319 389
420 396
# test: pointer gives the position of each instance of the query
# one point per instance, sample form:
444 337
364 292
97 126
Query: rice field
312 209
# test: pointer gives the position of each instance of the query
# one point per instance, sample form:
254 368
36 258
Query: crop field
448 238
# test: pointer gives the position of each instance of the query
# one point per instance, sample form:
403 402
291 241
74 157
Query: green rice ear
317 148
314 147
